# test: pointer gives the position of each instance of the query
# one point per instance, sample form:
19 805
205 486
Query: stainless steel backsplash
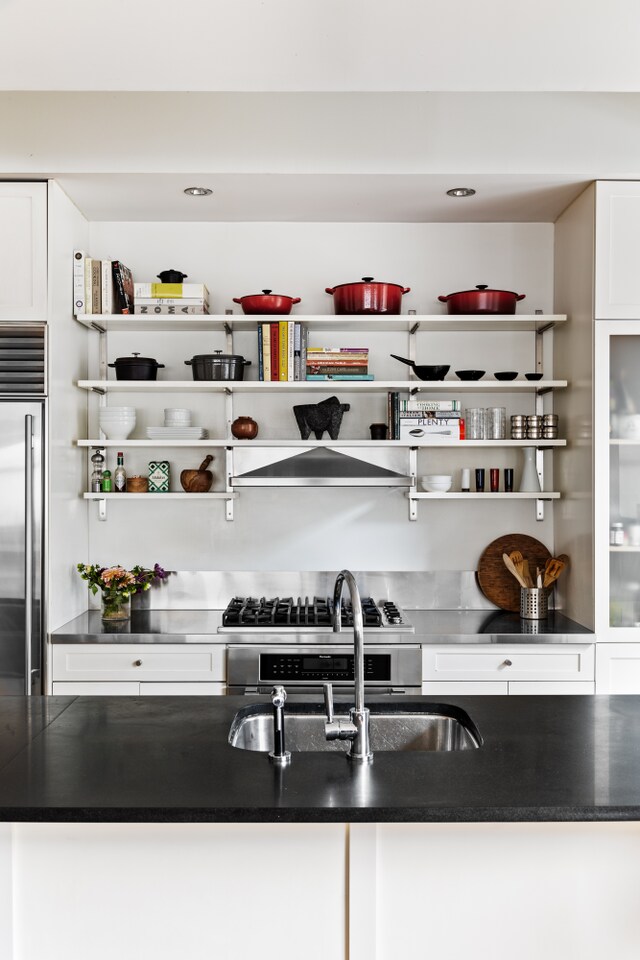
425 590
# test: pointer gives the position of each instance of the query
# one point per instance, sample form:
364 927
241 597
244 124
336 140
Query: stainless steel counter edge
431 627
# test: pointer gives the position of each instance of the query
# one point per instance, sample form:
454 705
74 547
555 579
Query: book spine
313 368
196 291
284 350
444 405
304 342
106 283
266 350
389 420
78 282
430 414
172 310
121 284
396 414
87 286
290 351
297 370
260 354
275 350
172 301
96 286
363 350
340 376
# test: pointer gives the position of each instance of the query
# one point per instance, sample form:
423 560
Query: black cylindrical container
136 368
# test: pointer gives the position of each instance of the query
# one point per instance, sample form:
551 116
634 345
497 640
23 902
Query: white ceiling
320 156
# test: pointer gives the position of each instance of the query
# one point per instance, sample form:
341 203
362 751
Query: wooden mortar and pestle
197 481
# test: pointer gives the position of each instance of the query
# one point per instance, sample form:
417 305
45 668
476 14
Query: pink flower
119 574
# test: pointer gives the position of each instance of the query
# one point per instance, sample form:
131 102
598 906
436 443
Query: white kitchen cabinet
618 667
502 668
169 689
23 251
99 688
617 293
164 664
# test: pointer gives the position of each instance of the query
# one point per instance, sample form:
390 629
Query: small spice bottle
616 535
107 486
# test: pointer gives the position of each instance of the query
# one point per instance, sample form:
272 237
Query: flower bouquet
119 585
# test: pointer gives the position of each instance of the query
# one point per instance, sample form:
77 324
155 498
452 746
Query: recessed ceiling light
461 192
198 191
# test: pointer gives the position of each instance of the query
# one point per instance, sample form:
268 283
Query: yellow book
284 350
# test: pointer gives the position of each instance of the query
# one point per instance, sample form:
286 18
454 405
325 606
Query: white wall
68 527
574 355
323 529
320 45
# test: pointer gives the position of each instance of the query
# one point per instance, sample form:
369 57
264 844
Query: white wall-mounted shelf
177 495
321 386
406 444
472 495
136 323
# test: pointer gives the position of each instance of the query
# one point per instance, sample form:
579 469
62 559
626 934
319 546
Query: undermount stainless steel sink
394 726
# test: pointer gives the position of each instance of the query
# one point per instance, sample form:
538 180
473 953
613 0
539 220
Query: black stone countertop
571 758
431 626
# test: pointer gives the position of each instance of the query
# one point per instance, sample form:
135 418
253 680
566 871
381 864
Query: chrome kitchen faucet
356 728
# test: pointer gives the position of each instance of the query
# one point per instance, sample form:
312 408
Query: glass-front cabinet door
617 480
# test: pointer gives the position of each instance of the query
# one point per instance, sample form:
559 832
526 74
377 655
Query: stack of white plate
177 417
176 433
117 423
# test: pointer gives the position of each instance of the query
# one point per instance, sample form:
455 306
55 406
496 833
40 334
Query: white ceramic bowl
436 483
119 410
118 432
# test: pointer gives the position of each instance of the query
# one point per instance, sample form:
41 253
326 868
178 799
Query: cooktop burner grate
287 612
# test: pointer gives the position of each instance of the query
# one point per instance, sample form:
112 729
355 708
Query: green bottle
106 481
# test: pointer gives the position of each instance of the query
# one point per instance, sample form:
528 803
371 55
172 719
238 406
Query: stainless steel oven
304 667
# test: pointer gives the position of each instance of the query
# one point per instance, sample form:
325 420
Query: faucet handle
278 696
327 690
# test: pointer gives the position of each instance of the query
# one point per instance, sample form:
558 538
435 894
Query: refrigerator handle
28 549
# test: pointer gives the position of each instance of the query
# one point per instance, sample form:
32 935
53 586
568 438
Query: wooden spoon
552 570
509 564
519 563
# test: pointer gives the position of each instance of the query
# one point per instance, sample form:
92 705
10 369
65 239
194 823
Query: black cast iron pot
217 366
136 368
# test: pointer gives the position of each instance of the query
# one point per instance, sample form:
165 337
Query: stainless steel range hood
322 467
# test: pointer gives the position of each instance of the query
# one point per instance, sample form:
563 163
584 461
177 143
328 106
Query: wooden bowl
137 485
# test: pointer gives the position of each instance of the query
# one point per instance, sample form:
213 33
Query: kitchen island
141 810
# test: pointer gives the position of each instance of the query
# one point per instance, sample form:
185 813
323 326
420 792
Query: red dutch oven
367 297
482 300
266 302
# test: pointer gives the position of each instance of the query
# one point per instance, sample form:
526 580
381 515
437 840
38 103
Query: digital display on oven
292 667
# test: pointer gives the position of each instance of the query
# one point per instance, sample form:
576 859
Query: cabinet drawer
183 689
506 663
552 687
167 662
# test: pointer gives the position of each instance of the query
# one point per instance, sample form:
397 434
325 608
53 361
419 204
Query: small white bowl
113 432
438 483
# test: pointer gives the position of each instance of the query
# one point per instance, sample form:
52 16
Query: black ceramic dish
425 371
533 376
506 375
470 374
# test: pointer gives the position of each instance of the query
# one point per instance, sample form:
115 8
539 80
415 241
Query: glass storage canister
496 423
474 419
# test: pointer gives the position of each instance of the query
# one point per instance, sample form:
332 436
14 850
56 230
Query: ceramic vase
529 482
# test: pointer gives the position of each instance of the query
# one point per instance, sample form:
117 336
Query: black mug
378 431
508 479
480 480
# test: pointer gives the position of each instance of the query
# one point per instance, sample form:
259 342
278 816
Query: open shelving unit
408 324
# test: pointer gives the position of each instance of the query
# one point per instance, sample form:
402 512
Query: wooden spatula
552 570
522 567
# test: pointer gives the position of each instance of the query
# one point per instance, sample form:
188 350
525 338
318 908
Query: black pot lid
482 288
136 358
171 276
218 357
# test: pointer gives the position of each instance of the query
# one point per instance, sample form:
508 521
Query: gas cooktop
252 613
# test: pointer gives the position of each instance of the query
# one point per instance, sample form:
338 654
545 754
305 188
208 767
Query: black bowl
533 376
434 372
506 375
470 374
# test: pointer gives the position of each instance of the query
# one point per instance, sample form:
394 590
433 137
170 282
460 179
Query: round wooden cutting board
495 581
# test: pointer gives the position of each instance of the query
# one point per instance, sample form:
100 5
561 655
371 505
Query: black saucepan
136 368
217 366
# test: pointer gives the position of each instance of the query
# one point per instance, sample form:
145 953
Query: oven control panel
321 667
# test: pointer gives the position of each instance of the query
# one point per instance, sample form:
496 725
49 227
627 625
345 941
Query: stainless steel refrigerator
22 502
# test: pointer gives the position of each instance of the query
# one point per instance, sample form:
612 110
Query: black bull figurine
318 417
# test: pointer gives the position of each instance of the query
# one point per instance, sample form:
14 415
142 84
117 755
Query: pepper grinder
96 476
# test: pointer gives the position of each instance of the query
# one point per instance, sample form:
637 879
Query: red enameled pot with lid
266 302
482 300
367 296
